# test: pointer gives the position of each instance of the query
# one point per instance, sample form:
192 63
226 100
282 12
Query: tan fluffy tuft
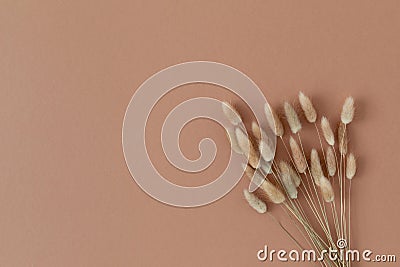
230 133
330 161
266 150
342 138
231 113
292 118
351 166
273 121
255 202
308 108
326 189
265 166
289 186
298 156
316 169
327 131
247 147
256 130
348 110
255 176
272 192
286 168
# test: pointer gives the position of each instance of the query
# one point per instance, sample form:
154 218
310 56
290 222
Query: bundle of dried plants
313 187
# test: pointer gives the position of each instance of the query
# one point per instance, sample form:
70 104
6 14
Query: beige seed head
347 110
272 192
255 176
342 139
255 202
230 133
247 147
289 186
327 131
330 161
326 189
265 166
316 169
231 113
308 108
248 170
273 121
287 169
351 166
295 177
298 156
292 118
266 150
256 130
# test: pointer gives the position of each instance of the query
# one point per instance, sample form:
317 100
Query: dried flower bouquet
324 187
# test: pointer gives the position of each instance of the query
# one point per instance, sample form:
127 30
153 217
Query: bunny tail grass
342 139
273 193
298 156
316 169
287 180
230 133
231 113
326 189
247 147
273 121
330 161
292 118
286 168
351 166
266 151
308 108
255 202
347 110
327 131
256 130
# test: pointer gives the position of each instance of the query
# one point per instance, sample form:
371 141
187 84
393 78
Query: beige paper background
69 68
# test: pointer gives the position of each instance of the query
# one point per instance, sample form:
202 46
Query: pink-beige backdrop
69 68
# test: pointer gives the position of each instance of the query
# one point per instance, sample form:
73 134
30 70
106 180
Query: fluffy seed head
295 177
266 150
342 139
247 147
265 166
351 166
347 110
327 131
289 185
298 156
256 130
330 161
326 189
292 118
231 113
230 133
316 169
248 170
287 169
272 192
255 202
273 121
308 108
255 176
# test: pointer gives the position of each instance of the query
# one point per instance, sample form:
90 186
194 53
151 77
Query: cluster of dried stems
320 220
